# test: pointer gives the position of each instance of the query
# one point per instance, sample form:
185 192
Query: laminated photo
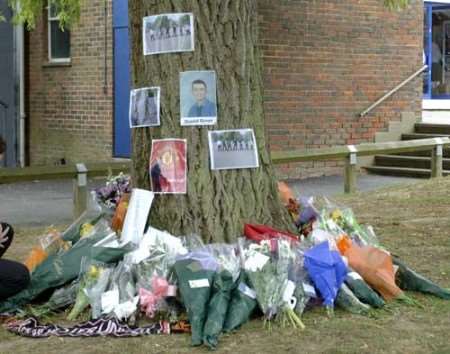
144 107
233 149
198 98
168 33
168 166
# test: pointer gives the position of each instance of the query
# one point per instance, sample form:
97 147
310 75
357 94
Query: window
436 83
58 40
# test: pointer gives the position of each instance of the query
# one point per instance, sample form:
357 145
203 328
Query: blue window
436 44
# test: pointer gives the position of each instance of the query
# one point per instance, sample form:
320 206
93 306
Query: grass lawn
412 221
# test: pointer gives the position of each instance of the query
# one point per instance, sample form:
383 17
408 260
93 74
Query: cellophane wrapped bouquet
267 266
152 263
223 284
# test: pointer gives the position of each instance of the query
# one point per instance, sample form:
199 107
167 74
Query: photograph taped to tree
168 33
168 166
198 98
232 149
144 107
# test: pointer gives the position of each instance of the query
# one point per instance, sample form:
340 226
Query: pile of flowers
181 284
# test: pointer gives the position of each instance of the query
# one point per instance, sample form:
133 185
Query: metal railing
391 92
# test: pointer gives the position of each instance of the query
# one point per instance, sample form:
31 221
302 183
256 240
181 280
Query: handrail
391 92
351 152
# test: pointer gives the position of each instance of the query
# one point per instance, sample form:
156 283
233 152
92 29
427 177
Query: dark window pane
426 39
53 11
440 53
60 41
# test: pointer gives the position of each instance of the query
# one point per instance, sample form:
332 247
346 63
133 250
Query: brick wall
70 115
325 61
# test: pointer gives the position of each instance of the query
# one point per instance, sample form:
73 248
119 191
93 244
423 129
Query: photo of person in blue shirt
198 98
202 106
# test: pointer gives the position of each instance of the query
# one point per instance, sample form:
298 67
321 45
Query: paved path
41 203
50 202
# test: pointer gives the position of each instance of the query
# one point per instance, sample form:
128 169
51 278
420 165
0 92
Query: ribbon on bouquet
149 299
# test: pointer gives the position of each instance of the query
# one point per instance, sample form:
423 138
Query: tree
218 202
226 33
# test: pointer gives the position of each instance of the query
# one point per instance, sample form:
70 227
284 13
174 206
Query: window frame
51 19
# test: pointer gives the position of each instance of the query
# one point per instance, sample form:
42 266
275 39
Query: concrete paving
45 203
39 203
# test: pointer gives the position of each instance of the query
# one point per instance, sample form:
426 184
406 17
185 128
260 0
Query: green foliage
396 4
28 11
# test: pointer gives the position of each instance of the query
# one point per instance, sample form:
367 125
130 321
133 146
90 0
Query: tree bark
217 203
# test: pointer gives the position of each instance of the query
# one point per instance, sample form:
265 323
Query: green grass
412 221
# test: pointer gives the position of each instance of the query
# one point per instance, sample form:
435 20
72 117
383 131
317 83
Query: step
414 136
408 161
428 128
446 153
401 171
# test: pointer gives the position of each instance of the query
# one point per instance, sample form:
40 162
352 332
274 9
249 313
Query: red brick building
324 63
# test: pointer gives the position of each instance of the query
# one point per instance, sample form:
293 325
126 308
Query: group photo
168 33
232 149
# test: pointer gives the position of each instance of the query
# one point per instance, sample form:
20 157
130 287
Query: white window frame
49 31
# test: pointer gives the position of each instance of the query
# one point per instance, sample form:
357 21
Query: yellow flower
336 215
86 229
94 272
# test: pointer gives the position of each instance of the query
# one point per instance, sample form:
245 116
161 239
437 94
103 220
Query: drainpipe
105 82
21 72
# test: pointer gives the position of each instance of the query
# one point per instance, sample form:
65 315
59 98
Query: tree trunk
217 203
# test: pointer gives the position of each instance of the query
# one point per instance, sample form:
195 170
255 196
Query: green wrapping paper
223 285
194 283
242 304
363 291
59 269
347 301
407 279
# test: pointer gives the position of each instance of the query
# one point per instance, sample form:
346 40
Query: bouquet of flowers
327 270
304 289
223 284
195 272
91 273
121 297
49 244
340 221
109 195
242 304
267 267
153 300
407 279
152 262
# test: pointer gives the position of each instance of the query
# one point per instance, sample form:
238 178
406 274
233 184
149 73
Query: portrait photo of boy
198 98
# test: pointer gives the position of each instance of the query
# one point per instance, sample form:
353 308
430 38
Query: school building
64 95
